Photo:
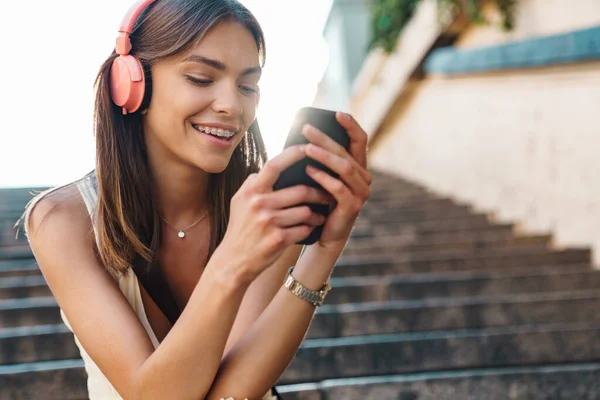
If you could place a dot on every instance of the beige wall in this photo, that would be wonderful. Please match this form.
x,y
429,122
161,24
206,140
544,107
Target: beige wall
x,y
523,145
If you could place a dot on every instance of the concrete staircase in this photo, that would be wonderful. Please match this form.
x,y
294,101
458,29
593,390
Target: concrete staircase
x,y
431,300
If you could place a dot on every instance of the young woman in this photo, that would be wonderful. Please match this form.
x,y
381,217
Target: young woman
x,y
182,198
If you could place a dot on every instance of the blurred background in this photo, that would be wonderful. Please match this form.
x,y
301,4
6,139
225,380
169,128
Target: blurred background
x,y
47,76
490,102
473,271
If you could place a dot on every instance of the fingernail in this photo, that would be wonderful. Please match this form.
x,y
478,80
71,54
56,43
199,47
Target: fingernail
x,y
346,116
309,129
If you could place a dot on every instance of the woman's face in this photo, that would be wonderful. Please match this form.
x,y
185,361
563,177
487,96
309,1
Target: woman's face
x,y
201,98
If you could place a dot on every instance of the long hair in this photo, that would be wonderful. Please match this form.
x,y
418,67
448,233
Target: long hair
x,y
126,219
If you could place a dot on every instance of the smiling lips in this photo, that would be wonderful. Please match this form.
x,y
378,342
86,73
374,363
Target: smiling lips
x,y
225,134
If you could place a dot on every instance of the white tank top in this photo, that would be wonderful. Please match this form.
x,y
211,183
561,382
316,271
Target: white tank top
x,y
99,387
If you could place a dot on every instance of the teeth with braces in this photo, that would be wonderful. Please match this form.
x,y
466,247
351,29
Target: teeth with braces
x,y
215,131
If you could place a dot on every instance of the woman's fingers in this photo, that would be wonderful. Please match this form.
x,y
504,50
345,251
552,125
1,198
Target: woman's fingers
x,y
301,215
347,202
295,195
345,168
270,172
320,139
358,137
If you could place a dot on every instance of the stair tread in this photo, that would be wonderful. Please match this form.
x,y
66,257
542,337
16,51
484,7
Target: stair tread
x,y
460,301
444,374
457,276
40,366
25,331
447,334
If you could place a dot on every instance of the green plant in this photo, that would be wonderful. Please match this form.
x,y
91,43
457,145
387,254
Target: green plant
x,y
389,17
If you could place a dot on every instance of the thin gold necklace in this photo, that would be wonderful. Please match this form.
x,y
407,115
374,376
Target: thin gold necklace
x,y
181,232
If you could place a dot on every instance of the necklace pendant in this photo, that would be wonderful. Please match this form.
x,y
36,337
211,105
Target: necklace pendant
x,y
181,234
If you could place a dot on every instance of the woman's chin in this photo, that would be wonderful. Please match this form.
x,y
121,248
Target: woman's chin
x,y
213,166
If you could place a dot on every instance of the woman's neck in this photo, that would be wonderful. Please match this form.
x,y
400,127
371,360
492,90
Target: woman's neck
x,y
180,192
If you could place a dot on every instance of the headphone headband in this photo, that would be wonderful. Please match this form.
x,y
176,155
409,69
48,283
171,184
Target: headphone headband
x,y
123,46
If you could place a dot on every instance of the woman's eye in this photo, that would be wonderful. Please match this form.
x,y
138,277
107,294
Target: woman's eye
x,y
199,81
249,89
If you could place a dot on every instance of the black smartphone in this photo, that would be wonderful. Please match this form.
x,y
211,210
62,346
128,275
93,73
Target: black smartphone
x,y
325,121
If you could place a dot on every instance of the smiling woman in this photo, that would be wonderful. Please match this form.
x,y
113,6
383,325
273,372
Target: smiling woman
x,y
167,260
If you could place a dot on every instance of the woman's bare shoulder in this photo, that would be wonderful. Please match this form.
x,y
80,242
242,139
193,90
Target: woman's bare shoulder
x,y
60,208
62,240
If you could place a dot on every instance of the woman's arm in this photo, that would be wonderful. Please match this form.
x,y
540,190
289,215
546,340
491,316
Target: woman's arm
x,y
260,293
255,363
259,358
184,365
186,362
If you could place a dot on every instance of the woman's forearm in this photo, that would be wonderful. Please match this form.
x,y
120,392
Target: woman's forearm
x,y
259,358
185,364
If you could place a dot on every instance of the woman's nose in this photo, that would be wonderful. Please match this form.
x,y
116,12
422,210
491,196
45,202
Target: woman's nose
x,y
227,101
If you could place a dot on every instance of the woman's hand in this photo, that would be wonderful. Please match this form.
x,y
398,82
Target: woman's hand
x,y
353,187
263,222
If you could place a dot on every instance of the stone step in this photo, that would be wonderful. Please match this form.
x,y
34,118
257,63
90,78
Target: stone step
x,y
402,287
429,252
422,211
409,232
409,243
373,288
397,195
403,316
402,202
20,287
8,217
370,215
547,382
7,238
29,312
17,252
380,354
401,264
501,281
468,224
506,259
465,222
14,268
397,188
23,252
433,254
36,343
319,359
66,379
426,230
397,218
48,380
392,316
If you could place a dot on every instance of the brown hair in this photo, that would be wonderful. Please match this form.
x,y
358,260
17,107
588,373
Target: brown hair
x,y
126,219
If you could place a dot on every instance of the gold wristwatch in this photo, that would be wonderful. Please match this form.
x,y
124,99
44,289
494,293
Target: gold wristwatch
x,y
316,297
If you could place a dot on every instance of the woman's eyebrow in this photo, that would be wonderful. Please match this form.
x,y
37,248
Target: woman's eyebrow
x,y
220,65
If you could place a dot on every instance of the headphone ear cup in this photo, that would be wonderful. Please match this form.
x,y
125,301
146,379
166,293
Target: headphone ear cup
x,y
127,83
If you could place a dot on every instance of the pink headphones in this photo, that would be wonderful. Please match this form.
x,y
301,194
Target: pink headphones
x,y
127,82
